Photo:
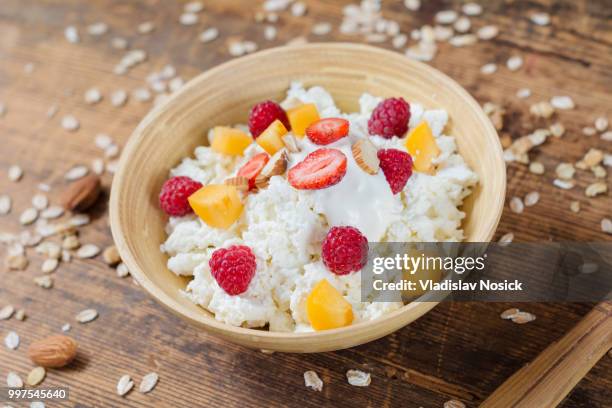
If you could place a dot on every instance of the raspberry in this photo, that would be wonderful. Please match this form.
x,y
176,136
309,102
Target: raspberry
x,y
265,113
174,195
390,118
344,250
233,268
397,167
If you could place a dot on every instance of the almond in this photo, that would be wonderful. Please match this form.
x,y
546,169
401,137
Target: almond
x,y
81,194
365,155
241,183
275,167
53,351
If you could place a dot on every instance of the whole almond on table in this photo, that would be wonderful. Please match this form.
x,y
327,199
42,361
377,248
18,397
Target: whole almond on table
x,y
53,352
81,194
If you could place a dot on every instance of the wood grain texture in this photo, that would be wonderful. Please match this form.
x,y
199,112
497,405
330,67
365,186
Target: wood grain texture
x,y
459,350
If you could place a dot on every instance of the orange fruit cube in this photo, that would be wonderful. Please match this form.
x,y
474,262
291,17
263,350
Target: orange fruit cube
x,y
218,205
301,117
327,308
422,146
271,139
230,141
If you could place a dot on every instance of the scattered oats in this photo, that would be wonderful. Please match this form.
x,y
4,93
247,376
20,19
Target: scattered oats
x,y
52,111
52,212
236,49
37,404
596,189
276,5
66,327
209,35
122,270
488,69
541,19
175,84
40,201
88,251
111,255
6,312
148,382
358,378
321,28
194,7
516,205
5,204
588,131
70,123
66,256
606,225
472,9
17,262
97,29
399,41
93,96
270,33
564,184
86,316
312,380
188,19
97,166
462,25
71,242
575,206
15,249
146,27
45,281
601,124
446,16
124,385
49,265
599,171
441,33
15,173
523,317
514,63
593,157
141,94
298,9
557,129
565,171
523,93
29,239
531,199
50,249
506,239
562,102
28,216
76,173
103,140
272,18
539,136
72,34
607,161
463,40
36,376
542,110
119,43
487,32
158,86
112,166
454,404
422,51
13,380
588,267
20,315
111,151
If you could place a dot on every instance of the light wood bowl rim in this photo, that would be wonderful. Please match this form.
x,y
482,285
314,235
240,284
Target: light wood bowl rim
x,y
415,308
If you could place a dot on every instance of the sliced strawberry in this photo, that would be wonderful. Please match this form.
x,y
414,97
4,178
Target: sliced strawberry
x,y
326,131
320,169
253,167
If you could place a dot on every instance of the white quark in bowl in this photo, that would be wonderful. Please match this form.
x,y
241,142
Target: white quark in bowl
x,y
285,227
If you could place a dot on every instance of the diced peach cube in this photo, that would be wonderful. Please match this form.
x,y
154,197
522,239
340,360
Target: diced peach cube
x,y
230,141
422,146
218,205
271,139
327,308
301,117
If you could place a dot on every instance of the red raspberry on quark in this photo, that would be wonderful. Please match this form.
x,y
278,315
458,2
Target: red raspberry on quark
x,y
397,168
390,118
174,195
344,250
233,268
263,114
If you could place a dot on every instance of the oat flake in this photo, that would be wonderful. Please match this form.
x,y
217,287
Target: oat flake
x,y
606,225
514,63
49,265
146,27
472,9
312,380
298,9
541,19
188,19
194,7
13,380
488,69
148,382
523,93
45,281
72,34
523,317
6,312
28,216
76,173
122,270
88,251
358,378
52,212
70,123
124,385
36,376
575,206
509,313
209,35
93,96
11,341
5,204
531,198
87,315
562,102
97,29
601,124
15,173
506,239
321,28
454,404
40,202
66,327
446,16
487,32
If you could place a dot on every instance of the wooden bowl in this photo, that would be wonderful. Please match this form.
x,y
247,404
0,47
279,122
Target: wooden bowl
x,y
224,95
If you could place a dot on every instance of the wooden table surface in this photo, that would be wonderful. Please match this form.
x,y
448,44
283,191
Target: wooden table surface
x,y
459,350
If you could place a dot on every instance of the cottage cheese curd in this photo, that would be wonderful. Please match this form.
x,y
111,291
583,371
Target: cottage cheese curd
x,y
285,227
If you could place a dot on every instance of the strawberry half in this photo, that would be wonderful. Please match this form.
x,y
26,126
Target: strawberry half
x,y
326,131
320,169
253,167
